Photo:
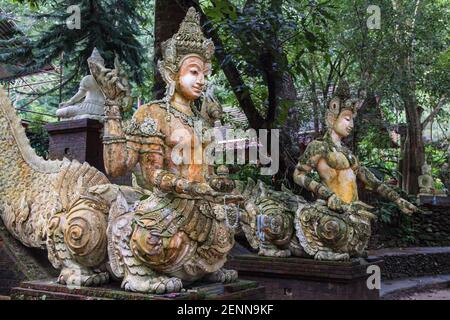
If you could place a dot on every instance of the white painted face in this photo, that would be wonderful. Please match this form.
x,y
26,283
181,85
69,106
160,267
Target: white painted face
x,y
191,78
343,125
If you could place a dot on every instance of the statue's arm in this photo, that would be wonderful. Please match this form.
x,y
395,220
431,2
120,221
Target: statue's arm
x,y
373,183
152,165
119,155
307,162
81,93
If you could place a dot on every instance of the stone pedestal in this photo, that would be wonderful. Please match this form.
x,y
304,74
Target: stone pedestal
x,y
81,140
50,290
297,278
433,200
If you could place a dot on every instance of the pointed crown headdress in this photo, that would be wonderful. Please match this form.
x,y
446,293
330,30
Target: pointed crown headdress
x,y
341,101
96,57
189,40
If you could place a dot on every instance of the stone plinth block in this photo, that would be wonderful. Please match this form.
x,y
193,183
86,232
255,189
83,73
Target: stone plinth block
x,y
81,140
77,139
434,200
297,278
50,290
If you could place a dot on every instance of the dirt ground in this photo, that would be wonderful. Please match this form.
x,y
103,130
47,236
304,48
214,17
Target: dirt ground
x,y
439,294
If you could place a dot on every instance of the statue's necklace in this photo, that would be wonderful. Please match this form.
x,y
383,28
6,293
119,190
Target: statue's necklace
x,y
340,148
347,153
191,121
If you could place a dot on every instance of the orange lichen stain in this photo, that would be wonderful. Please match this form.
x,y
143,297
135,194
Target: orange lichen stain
x,y
195,173
336,173
344,185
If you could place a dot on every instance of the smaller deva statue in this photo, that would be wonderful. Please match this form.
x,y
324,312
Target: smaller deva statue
x,y
426,182
337,226
93,105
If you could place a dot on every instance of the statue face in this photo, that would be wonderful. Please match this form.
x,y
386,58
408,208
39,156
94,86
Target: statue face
x,y
191,78
343,125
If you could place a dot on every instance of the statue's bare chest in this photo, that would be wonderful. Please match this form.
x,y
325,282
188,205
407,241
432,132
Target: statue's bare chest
x,y
179,133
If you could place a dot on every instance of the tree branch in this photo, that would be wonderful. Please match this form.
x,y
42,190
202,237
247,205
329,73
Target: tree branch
x,y
435,111
240,89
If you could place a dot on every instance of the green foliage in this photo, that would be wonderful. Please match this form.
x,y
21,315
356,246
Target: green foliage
x,y
32,3
437,154
316,42
396,229
39,139
109,25
375,152
250,171
262,37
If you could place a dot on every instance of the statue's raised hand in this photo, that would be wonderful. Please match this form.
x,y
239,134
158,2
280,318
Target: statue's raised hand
x,y
406,207
113,83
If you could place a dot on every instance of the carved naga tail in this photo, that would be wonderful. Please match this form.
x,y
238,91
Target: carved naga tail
x,y
268,219
34,191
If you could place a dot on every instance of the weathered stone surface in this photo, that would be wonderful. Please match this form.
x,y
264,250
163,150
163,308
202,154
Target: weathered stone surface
x,y
297,278
19,263
170,230
77,139
434,201
414,262
419,230
402,288
50,290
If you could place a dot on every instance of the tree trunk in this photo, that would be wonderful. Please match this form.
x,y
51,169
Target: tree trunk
x,y
168,16
316,104
282,98
413,152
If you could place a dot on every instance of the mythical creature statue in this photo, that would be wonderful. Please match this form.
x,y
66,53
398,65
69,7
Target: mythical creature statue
x,y
179,232
44,203
93,105
267,219
172,229
338,225
335,227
